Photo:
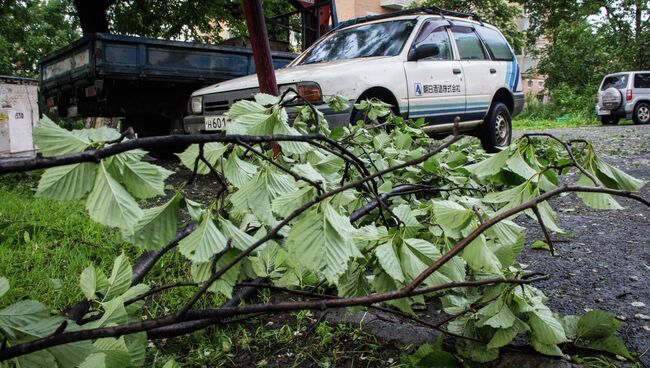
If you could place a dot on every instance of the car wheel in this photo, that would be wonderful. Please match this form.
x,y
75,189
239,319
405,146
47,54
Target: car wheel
x,y
496,131
607,120
642,113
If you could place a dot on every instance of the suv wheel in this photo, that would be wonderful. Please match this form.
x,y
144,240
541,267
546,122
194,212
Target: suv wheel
x,y
496,131
608,120
642,113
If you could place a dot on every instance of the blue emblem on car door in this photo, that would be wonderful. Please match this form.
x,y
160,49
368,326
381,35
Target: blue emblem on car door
x,y
418,89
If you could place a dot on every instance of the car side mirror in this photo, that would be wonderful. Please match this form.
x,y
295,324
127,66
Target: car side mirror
x,y
423,51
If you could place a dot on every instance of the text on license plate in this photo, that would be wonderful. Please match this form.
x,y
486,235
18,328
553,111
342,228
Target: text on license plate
x,y
604,112
216,122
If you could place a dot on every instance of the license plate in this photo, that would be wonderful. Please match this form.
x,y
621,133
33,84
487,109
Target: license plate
x,y
216,122
604,112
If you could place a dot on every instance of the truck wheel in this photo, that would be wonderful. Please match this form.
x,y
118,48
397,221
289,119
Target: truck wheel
x,y
642,113
608,120
153,126
496,131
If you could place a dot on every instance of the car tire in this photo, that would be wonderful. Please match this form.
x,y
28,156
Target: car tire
x,y
608,120
642,113
496,131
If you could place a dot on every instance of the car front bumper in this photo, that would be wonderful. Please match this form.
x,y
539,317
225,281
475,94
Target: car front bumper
x,y
194,124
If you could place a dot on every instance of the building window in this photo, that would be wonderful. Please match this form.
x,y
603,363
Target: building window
x,y
541,83
530,83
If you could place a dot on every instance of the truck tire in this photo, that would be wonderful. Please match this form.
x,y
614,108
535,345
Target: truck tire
x,y
496,131
153,126
612,98
609,120
642,113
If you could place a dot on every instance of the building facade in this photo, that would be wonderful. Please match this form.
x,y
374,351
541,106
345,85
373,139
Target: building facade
x,y
348,9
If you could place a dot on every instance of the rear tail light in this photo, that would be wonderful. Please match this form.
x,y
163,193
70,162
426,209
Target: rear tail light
x,y
628,95
310,91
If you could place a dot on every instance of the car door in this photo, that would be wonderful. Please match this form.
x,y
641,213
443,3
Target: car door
x,y
479,71
436,90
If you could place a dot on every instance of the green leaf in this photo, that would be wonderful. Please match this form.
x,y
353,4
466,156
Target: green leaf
x,y
600,201
15,316
110,353
438,359
120,279
617,179
491,166
4,286
212,152
67,182
545,327
157,227
540,245
137,343
52,140
547,349
353,282
224,285
597,324
475,351
519,166
145,180
204,242
322,241
289,202
480,257
88,282
110,204
240,239
413,265
496,314
611,344
237,171
257,194
451,214
411,224
389,261
266,99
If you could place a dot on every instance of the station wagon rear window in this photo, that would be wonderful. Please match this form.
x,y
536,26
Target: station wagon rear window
x,y
495,43
617,81
375,39
642,80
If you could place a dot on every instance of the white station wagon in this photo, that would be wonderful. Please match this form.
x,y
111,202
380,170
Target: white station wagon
x,y
432,66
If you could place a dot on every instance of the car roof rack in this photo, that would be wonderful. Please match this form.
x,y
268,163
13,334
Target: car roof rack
x,y
419,10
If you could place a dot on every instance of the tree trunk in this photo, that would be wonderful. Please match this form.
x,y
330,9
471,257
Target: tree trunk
x,y
92,15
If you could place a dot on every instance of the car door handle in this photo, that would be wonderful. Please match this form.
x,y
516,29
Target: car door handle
x,y
493,71
456,71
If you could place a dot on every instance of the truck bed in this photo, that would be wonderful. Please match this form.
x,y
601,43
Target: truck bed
x,y
118,57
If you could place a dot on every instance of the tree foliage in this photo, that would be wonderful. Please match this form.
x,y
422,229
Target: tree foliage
x,y
359,215
31,29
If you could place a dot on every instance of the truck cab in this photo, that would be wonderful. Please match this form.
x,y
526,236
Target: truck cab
x,y
432,66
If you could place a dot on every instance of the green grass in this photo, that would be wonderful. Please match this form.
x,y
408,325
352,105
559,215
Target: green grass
x,y
45,244
527,123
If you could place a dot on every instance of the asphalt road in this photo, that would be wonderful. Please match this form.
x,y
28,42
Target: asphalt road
x,y
606,263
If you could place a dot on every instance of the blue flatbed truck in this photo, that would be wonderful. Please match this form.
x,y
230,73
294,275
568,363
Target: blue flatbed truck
x,y
145,81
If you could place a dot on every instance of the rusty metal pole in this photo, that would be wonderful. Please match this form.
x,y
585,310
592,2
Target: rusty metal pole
x,y
261,53
261,48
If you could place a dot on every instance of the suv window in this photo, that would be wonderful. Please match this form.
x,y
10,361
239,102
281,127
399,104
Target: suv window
x,y
375,39
469,46
642,80
436,37
495,43
617,81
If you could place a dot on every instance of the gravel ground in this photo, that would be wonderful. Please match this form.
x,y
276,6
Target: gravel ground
x,y
606,263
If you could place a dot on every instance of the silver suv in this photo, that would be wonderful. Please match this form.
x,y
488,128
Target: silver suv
x,y
624,95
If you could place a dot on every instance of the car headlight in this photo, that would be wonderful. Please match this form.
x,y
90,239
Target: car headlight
x,y
196,104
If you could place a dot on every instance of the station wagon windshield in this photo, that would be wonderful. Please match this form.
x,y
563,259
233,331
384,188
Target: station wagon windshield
x,y
375,39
